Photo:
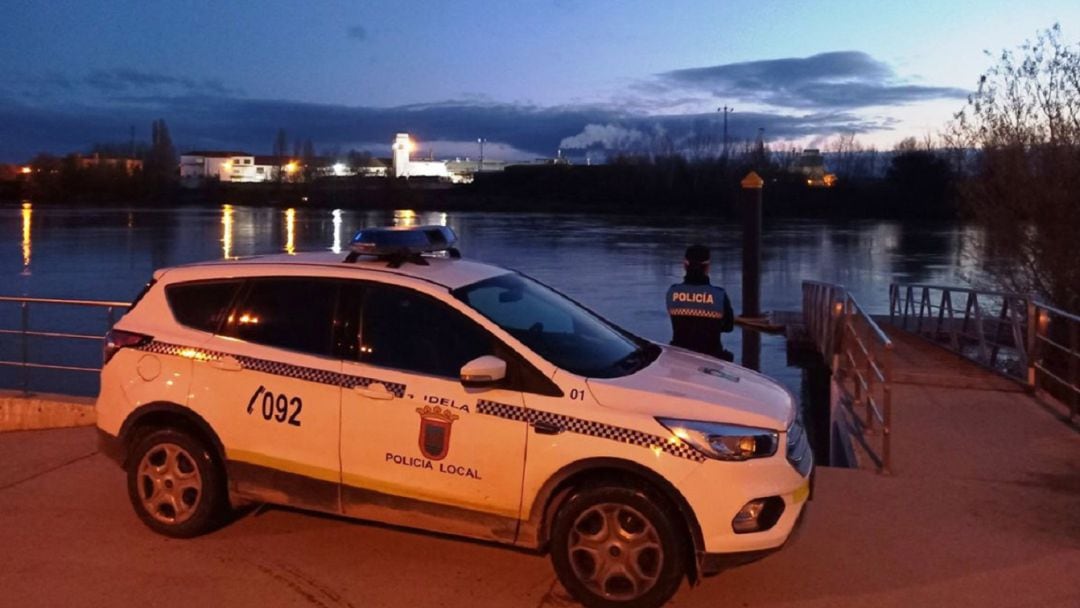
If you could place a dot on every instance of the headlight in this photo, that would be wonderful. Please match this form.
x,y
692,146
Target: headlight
x,y
724,441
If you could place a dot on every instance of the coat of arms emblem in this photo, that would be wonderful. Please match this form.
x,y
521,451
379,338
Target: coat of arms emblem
x,y
435,425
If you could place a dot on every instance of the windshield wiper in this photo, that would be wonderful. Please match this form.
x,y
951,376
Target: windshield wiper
x,y
634,361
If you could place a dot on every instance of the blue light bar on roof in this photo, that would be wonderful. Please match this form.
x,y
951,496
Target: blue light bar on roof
x,y
400,240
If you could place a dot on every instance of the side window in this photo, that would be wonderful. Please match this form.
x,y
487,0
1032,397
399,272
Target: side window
x,y
202,305
407,330
286,312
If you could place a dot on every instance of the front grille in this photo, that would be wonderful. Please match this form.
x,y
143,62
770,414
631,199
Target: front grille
x,y
798,449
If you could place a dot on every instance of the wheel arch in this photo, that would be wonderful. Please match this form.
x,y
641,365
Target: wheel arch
x,y
554,492
161,414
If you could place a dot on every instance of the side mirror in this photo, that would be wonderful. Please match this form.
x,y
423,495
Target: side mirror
x,y
483,371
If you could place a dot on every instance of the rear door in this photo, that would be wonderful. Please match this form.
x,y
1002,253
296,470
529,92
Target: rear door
x,y
269,384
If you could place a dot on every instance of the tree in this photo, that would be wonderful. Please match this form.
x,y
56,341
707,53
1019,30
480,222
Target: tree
x,y
920,182
307,154
1024,122
281,153
160,165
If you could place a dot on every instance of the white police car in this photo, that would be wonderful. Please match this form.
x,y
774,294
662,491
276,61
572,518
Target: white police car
x,y
405,385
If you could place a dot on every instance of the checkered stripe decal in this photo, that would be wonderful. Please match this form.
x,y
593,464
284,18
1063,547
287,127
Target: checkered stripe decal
x,y
276,368
694,312
590,428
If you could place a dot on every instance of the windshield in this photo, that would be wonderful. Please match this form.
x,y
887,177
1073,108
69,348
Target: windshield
x,y
556,328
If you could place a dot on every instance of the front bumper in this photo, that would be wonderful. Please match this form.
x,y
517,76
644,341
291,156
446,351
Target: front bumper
x,y
710,564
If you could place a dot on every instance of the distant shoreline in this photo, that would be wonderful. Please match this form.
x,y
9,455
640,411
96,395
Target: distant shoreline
x,y
611,192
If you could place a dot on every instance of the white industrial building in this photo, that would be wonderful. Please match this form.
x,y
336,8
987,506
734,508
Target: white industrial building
x,y
229,166
406,167
197,167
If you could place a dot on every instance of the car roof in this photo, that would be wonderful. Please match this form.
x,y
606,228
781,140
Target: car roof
x,y
448,272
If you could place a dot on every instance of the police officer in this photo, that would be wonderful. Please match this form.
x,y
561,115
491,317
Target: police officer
x,y
699,311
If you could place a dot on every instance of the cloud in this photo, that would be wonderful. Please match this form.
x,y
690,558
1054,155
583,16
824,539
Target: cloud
x,y
798,99
216,121
110,85
126,80
836,80
357,32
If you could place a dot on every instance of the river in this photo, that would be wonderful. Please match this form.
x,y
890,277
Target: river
x,y
618,265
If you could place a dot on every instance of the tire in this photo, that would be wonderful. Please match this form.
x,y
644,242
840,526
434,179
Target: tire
x,y
175,484
640,565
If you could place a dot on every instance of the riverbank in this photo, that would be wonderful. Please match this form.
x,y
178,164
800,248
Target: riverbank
x,y
615,188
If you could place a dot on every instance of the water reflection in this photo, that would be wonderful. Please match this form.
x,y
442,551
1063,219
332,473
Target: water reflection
x,y
751,349
290,231
619,266
336,247
27,215
227,231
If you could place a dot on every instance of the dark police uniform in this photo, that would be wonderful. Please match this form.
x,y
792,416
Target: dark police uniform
x,y
699,313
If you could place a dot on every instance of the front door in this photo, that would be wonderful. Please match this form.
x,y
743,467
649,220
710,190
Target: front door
x,y
415,450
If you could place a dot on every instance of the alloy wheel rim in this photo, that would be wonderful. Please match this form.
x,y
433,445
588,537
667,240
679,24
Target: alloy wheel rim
x,y
169,483
615,551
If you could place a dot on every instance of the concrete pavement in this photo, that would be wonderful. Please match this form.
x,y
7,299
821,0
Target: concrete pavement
x,y
68,537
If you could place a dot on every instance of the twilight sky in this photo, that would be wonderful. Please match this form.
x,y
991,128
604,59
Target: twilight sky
x,y
529,76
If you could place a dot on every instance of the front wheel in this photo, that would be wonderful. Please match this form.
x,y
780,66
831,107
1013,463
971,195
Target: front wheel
x,y
617,547
175,484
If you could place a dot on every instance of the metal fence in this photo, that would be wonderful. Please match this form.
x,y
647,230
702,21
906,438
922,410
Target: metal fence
x,y
22,336
860,355
1011,333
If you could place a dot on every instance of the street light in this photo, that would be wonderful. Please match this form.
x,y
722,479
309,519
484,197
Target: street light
x,y
726,110
480,167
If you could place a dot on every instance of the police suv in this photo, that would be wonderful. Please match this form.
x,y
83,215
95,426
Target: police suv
x,y
405,385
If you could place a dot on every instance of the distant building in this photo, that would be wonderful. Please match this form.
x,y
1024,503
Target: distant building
x,y
232,166
405,167
471,165
811,164
369,166
10,173
129,165
200,165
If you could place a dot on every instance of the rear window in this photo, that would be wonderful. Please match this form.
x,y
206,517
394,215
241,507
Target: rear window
x,y
203,305
295,313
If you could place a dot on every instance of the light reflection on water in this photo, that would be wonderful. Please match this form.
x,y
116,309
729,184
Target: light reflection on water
x,y
27,223
620,266
227,231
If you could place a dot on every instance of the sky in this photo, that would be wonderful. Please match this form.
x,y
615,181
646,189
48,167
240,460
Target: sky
x,y
529,77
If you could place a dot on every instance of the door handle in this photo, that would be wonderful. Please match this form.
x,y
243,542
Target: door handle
x,y
546,428
227,364
375,390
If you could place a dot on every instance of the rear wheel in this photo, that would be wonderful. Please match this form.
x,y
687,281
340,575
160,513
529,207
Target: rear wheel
x,y
175,484
617,547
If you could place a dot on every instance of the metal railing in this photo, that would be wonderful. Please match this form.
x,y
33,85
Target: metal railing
x,y
1011,333
1054,355
860,355
987,327
24,333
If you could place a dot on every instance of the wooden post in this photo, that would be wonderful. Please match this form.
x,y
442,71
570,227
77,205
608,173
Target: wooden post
x,y
1074,366
751,253
1032,340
